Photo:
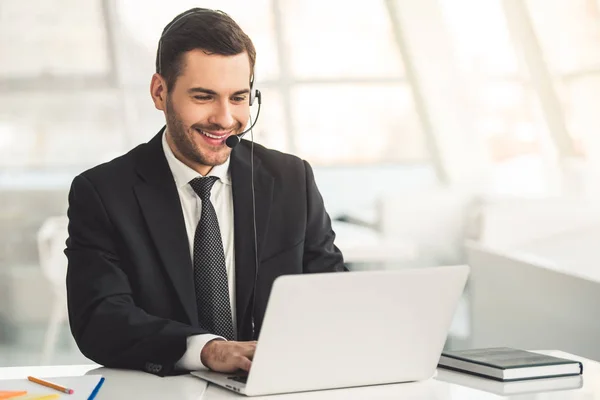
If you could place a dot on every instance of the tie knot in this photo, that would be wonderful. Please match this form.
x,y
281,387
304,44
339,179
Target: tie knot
x,y
202,186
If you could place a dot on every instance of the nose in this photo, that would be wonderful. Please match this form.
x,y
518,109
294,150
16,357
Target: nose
x,y
221,115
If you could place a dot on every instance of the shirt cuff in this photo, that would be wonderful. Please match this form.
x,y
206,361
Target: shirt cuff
x,y
191,358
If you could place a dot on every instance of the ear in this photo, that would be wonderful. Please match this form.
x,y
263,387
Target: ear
x,y
158,91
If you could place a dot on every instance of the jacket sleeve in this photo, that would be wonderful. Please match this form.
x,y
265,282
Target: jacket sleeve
x,y
106,323
320,253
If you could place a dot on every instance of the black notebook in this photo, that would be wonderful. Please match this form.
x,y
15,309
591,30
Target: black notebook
x,y
508,364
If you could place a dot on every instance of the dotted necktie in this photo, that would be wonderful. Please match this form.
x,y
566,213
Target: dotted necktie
x,y
210,273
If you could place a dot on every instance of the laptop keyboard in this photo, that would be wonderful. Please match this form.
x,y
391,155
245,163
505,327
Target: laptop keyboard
x,y
241,379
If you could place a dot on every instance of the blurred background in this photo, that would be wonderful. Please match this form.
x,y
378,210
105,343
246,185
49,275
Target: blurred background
x,y
441,132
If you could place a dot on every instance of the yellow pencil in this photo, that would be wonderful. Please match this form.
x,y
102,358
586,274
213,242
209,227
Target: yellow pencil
x,y
39,397
50,385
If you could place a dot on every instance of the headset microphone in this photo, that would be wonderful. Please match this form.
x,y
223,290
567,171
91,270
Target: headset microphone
x,y
234,140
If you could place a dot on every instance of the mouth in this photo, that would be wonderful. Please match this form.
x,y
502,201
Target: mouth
x,y
214,137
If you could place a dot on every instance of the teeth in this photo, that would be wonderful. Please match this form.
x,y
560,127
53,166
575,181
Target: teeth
x,y
212,136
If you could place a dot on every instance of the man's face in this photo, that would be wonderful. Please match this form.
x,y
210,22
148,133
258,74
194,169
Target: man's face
x,y
208,102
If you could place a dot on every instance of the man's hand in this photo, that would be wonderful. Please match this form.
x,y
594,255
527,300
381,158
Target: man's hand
x,y
228,356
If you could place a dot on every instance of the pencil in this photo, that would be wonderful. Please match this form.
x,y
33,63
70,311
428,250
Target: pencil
x,y
96,389
50,385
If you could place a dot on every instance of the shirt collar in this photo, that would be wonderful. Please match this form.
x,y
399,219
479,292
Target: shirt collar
x,y
184,174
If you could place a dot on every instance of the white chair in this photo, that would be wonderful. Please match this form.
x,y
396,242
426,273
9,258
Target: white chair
x,y
51,239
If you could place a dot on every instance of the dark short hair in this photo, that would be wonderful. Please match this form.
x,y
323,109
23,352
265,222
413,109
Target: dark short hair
x,y
212,31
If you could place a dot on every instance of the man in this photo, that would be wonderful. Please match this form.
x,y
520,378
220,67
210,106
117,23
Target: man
x,y
162,271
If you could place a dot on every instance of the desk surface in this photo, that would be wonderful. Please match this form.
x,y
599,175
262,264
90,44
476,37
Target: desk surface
x,y
445,385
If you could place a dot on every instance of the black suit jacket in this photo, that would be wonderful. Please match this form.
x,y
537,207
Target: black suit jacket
x,y
130,279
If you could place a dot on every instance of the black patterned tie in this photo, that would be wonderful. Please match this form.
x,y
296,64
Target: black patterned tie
x,y
210,272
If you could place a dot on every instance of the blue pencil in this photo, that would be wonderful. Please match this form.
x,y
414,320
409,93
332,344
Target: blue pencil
x,y
96,389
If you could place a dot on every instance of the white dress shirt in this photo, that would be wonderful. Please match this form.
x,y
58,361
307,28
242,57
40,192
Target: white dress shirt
x,y
222,199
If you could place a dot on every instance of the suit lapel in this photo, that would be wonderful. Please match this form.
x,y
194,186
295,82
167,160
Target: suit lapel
x,y
245,268
158,198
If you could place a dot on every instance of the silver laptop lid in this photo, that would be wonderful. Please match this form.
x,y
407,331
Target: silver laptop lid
x,y
334,330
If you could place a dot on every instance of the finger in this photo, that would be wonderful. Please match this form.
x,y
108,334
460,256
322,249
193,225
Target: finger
x,y
243,363
248,351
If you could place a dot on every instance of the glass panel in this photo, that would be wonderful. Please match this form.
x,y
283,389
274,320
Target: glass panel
x,y
357,124
482,41
507,115
569,33
581,98
338,38
52,38
143,26
59,129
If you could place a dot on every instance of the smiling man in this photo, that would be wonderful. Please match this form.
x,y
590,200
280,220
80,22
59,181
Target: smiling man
x,y
174,246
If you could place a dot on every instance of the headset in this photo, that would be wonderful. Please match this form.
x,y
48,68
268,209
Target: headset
x,y
231,141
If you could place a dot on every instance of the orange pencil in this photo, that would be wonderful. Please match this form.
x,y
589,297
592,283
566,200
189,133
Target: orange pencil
x,y
51,385
10,394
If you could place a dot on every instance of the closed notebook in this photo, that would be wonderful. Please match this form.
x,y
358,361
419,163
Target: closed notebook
x,y
508,364
543,385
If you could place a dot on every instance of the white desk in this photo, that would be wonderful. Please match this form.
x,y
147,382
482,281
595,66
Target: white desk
x,y
121,384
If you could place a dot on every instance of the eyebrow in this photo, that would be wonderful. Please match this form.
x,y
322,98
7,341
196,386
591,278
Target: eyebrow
x,y
212,92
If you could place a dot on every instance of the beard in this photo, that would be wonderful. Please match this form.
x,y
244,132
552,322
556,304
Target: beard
x,y
187,147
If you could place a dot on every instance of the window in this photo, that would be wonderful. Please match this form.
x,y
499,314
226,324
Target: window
x,y
58,130
357,124
569,34
333,94
507,111
42,39
338,39
58,105
481,38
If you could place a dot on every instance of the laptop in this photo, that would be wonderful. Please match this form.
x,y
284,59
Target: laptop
x,y
340,330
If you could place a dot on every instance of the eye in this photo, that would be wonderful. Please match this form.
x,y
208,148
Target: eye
x,y
202,98
238,99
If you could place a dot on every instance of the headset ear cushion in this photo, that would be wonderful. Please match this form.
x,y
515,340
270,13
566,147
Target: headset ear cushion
x,y
252,94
